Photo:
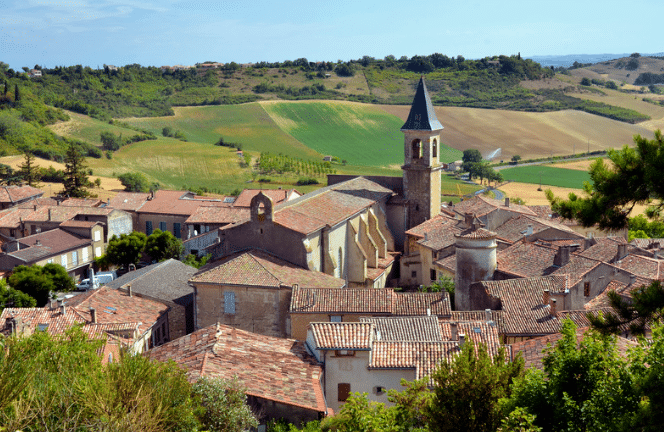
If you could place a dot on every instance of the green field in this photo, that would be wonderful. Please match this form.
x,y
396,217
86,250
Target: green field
x,y
547,175
358,133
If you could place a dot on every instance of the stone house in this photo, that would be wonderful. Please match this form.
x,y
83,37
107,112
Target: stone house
x,y
251,290
166,282
282,380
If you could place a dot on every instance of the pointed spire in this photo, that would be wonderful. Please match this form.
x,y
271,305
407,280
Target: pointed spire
x,y
422,116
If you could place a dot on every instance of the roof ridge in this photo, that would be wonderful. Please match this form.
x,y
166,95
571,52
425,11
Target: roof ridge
x,y
263,267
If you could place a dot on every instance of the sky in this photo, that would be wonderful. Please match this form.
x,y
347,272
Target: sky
x,y
167,32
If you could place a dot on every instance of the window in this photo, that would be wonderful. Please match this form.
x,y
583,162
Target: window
x,y
74,258
176,230
335,318
148,227
63,260
229,302
432,275
98,251
343,391
586,289
97,235
84,255
417,149
49,261
434,149
413,274
163,226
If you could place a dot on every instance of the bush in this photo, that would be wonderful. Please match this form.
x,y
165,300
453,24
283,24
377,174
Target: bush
x,y
307,181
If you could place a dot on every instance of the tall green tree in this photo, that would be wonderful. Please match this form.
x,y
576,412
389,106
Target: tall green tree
x,y
633,177
467,390
126,249
162,245
39,282
76,177
29,171
585,386
10,297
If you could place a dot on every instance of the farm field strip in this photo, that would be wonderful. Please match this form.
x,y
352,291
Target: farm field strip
x,y
550,176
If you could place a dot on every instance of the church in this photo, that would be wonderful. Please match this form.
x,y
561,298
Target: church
x,y
349,234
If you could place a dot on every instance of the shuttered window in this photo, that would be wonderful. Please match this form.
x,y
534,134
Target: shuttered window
x,y
343,391
176,230
229,302
148,227
163,226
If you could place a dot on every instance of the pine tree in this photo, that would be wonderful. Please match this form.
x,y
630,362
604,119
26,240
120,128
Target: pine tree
x,y
76,177
28,171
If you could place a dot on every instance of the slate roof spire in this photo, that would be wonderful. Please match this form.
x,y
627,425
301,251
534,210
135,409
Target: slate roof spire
x,y
422,116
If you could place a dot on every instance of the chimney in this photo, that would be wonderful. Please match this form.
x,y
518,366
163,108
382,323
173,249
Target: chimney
x,y
108,201
507,201
37,242
93,315
529,230
428,311
546,297
553,306
562,256
622,251
52,304
632,279
426,236
49,214
454,331
462,339
63,308
468,220
131,294
487,315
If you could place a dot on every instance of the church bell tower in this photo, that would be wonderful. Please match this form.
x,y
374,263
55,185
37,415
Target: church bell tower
x,y
421,169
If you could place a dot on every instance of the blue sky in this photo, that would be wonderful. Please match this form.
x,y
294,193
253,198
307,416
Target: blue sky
x,y
166,32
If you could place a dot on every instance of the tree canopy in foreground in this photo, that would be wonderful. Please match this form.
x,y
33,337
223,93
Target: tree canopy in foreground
x,y
633,177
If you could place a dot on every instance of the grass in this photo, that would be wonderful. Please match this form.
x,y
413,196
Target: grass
x,y
550,176
360,134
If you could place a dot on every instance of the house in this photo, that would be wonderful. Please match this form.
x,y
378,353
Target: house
x,y
492,213
202,227
149,318
166,282
373,356
168,210
135,324
282,380
350,305
74,250
11,196
251,290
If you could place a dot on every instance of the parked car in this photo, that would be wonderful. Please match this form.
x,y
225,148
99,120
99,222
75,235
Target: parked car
x,y
85,284
106,277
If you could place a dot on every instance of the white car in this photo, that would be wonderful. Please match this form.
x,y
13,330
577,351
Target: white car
x,y
85,284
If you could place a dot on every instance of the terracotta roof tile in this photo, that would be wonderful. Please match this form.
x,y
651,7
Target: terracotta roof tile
x,y
48,243
81,202
270,368
368,301
645,267
258,268
343,335
14,194
128,200
217,215
410,328
517,228
276,195
521,300
480,206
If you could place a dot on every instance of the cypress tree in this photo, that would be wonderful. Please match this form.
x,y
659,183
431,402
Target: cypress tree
x,y
17,95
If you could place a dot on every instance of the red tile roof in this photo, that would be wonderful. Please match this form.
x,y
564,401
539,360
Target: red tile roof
x,y
206,214
521,300
258,268
51,243
172,202
517,228
645,267
368,301
15,194
128,200
270,368
480,206
534,350
245,197
342,335
81,202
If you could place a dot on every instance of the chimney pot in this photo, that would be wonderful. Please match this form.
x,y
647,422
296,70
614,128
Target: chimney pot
x,y
546,297
462,339
454,331
63,308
